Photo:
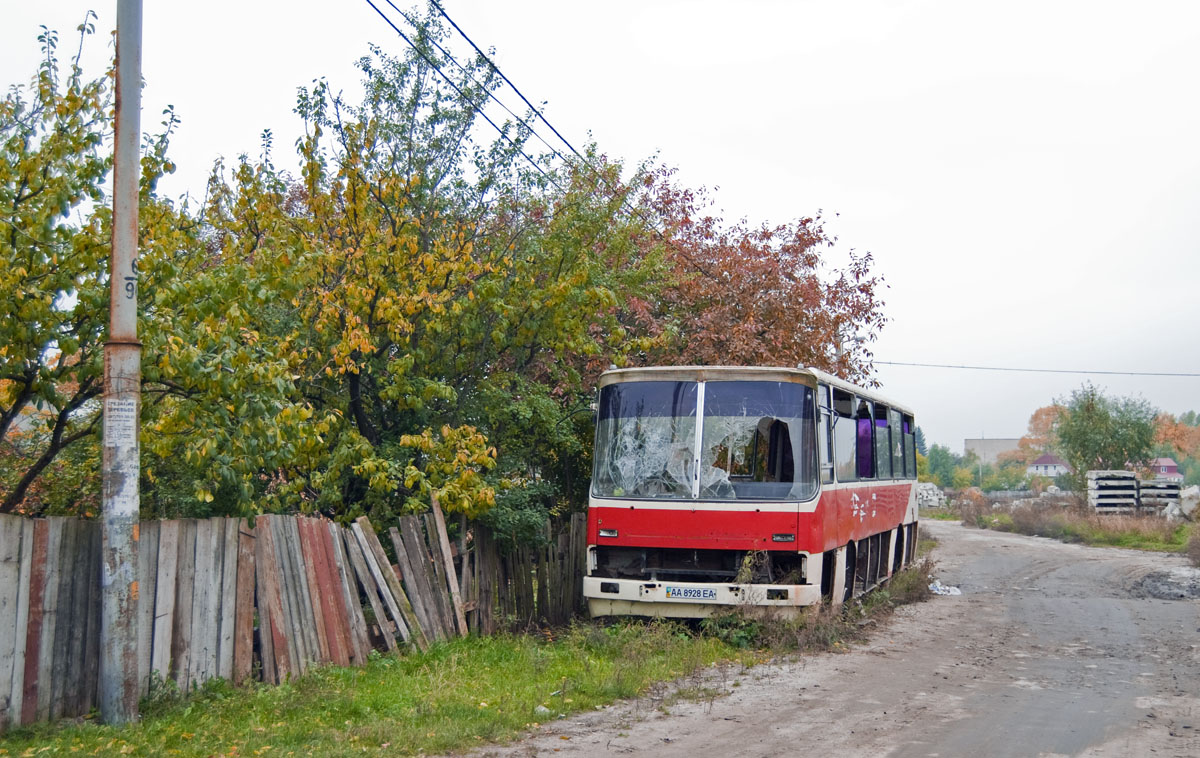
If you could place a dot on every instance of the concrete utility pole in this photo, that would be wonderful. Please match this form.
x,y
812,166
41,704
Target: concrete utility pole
x,y
122,392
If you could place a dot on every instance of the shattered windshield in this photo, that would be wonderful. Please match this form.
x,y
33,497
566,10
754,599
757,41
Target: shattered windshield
x,y
646,440
757,441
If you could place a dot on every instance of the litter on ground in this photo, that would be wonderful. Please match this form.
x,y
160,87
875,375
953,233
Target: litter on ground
x,y
938,588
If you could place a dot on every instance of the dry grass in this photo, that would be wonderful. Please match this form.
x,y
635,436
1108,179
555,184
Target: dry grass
x,y
1078,524
823,627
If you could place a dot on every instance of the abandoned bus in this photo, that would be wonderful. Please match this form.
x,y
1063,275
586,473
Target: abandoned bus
x,y
722,486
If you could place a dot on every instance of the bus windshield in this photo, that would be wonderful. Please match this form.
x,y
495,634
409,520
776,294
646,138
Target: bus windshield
x,y
757,441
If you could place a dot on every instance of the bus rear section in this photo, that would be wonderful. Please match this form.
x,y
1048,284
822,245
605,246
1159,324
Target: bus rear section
x,y
706,495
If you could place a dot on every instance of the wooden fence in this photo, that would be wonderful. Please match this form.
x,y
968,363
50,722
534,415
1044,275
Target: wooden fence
x,y
224,598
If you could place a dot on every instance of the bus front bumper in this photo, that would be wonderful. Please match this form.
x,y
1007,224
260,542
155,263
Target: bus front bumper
x,y
638,597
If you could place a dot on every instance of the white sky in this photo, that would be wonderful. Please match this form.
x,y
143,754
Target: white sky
x,y
1027,174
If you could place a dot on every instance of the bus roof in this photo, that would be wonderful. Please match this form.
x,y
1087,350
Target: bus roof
x,y
809,376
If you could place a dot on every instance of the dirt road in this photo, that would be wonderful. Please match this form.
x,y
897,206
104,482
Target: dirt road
x,y
1051,650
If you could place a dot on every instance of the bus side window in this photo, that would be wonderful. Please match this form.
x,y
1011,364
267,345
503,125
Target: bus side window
x,y
883,444
910,448
844,435
898,462
825,434
865,444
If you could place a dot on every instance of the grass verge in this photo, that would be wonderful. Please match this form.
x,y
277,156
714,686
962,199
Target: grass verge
x,y
1069,524
458,695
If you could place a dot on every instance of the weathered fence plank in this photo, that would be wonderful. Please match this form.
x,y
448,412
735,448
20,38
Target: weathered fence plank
x,y
409,576
185,583
243,632
418,558
37,603
358,639
312,581
276,661
50,600
228,598
305,618
147,571
164,599
370,588
426,532
13,547
337,622
389,585
443,542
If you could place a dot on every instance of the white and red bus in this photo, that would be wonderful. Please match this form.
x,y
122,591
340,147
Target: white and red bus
x,y
721,486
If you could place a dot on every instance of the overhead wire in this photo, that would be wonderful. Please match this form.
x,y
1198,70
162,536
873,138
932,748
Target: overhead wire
x,y
599,174
462,94
1037,370
507,81
449,56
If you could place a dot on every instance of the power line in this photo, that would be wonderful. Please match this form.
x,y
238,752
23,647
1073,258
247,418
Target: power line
x,y
1035,370
413,22
496,68
462,94
595,171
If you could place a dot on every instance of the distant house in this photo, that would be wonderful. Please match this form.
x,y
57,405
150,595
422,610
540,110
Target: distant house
x,y
1047,465
1166,468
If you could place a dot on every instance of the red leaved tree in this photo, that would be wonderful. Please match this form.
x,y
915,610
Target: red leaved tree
x,y
744,295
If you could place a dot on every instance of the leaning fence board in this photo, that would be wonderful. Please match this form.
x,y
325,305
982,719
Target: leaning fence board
x,y
337,620
410,631
289,621
312,580
243,625
409,577
436,573
17,696
359,563
381,570
418,557
303,594
323,595
443,543
358,640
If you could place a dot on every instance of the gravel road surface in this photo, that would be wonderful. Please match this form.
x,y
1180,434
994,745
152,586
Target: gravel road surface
x,y
1051,650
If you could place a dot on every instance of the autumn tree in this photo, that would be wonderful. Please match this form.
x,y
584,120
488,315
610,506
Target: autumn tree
x,y
1038,439
55,243
744,294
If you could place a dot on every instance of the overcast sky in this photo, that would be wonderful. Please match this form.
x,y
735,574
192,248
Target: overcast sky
x,y
1026,174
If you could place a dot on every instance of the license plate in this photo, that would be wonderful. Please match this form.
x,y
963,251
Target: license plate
x,y
690,593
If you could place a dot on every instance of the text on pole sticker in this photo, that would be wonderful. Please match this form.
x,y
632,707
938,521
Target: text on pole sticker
x,y
120,421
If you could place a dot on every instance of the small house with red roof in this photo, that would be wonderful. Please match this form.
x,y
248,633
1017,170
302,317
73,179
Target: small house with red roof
x,y
1166,468
1047,465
